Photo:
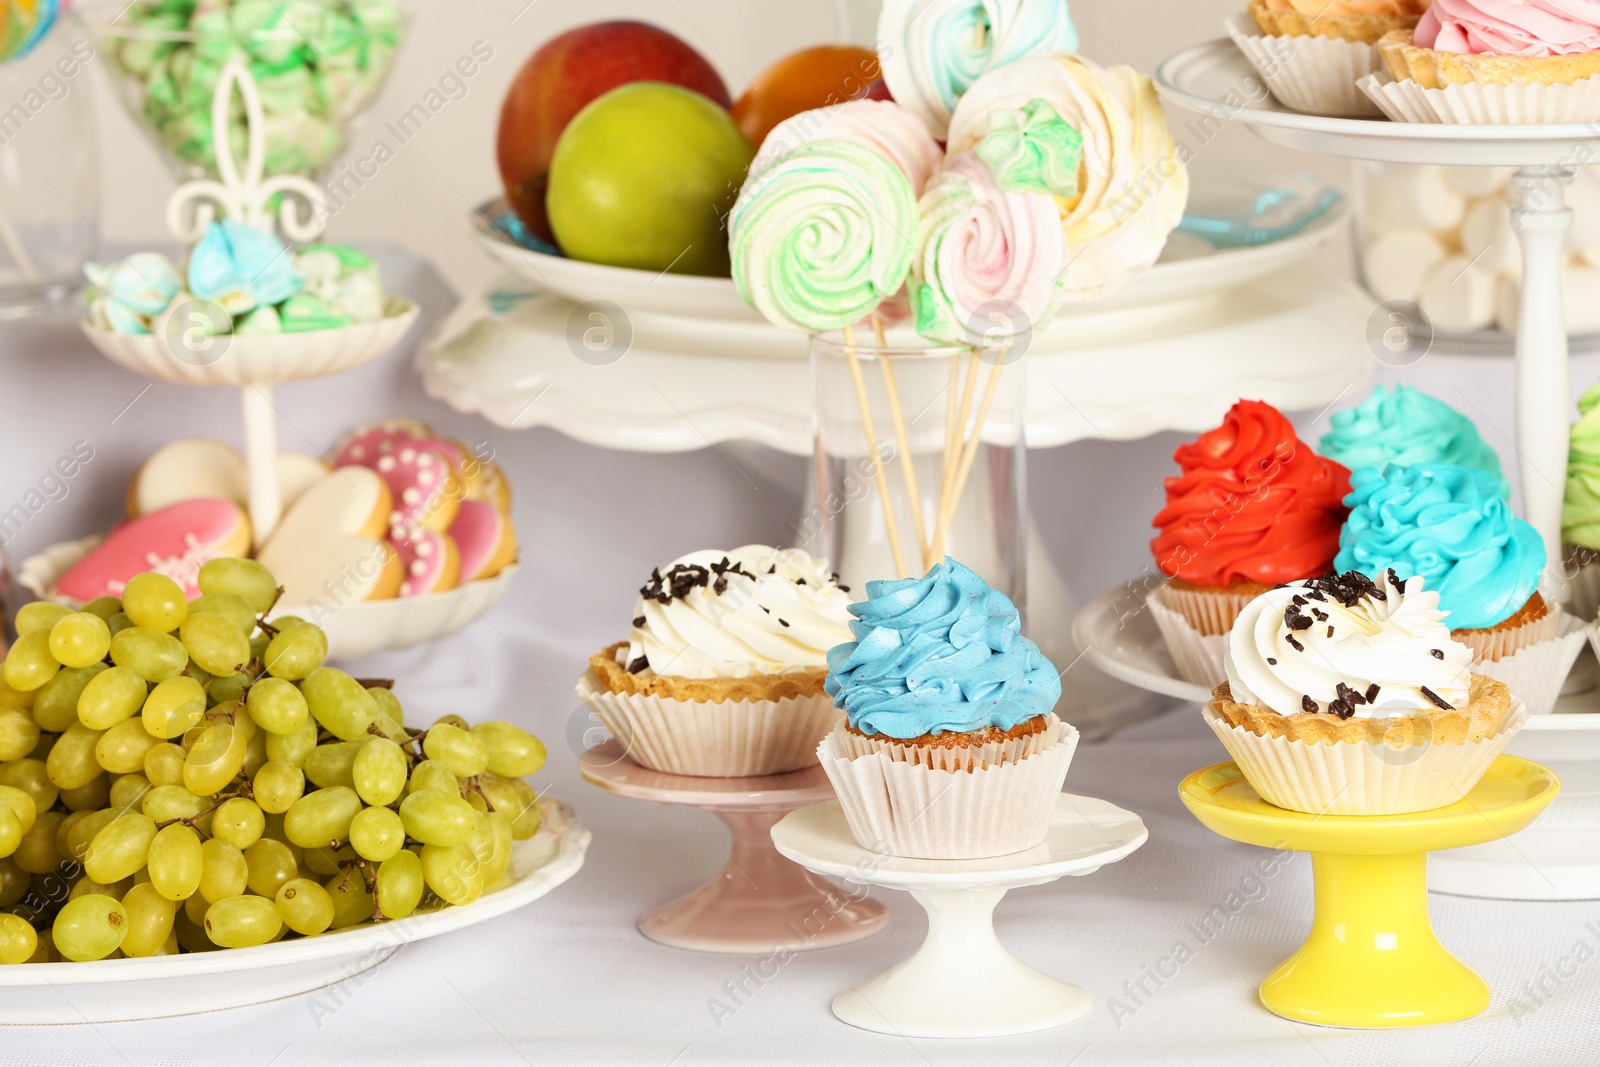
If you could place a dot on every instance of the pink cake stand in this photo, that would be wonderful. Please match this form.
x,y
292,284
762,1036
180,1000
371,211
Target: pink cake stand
x,y
759,901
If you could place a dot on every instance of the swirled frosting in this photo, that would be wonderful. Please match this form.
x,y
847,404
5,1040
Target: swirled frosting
x,y
881,125
1132,183
1403,426
1580,507
1510,27
937,654
932,51
1253,503
987,260
241,268
754,610
1449,525
822,235
1347,646
1031,150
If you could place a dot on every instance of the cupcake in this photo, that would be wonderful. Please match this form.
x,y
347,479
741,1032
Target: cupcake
x,y
722,673
1254,507
1494,61
1580,509
1311,53
1348,696
1450,526
1403,426
949,748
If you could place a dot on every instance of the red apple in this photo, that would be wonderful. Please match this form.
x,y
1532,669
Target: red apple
x,y
562,77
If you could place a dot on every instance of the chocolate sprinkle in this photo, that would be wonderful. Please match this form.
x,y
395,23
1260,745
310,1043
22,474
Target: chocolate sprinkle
x,y
1330,629
784,623
640,621
1436,653
1341,708
683,578
1296,645
1372,693
1309,704
1437,700
1271,662
638,665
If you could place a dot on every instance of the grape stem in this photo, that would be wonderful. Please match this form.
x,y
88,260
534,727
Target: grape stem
x,y
375,683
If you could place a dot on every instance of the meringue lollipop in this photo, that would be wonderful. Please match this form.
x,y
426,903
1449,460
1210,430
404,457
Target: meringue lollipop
x,y
822,235
1132,184
881,125
931,51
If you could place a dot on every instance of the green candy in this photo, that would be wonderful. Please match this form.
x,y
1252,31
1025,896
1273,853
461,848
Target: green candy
x,y
1032,150
303,313
260,322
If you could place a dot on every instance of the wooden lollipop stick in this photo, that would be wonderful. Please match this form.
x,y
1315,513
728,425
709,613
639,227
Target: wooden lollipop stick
x,y
970,450
936,550
907,462
953,446
890,527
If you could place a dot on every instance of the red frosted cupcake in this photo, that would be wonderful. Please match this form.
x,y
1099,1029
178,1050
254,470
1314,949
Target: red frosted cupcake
x,y
1253,508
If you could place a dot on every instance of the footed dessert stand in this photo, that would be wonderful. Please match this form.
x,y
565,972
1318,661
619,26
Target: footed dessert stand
x,y
759,901
1372,959
962,982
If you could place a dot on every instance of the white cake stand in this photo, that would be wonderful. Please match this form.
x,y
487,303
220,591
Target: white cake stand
x,y
1557,858
1209,77
962,982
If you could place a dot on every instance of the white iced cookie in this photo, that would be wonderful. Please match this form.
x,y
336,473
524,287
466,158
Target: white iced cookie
x,y
1132,185
197,467
328,549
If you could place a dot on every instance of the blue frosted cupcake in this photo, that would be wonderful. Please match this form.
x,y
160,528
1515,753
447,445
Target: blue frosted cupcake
x,y
950,748
1403,426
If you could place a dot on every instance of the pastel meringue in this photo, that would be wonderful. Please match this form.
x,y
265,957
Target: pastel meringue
x,y
881,125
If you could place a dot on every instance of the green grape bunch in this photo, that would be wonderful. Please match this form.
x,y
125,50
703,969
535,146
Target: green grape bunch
x,y
184,776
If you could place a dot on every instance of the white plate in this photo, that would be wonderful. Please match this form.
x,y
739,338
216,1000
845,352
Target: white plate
x,y
157,987
1213,78
680,296
356,629
261,360
1120,637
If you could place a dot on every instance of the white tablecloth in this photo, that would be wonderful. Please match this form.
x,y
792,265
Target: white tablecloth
x,y
568,980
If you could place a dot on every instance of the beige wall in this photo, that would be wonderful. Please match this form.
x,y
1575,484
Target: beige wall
x,y
421,197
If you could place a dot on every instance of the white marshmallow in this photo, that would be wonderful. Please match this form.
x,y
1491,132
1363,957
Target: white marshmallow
x,y
1580,301
1583,197
1405,198
1396,264
1478,181
1487,238
1458,297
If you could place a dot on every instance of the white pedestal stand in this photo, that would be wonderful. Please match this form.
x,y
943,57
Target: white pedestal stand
x,y
962,982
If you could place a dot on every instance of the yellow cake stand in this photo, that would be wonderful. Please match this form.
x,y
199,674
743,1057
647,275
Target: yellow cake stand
x,y
1372,959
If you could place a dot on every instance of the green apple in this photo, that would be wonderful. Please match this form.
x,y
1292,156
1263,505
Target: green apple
x,y
644,177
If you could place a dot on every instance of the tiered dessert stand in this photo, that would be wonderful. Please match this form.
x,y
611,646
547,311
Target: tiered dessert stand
x,y
759,901
1205,78
962,982
188,352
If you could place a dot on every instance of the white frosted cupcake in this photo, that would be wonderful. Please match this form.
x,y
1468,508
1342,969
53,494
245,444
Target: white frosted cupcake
x,y
722,672
1349,697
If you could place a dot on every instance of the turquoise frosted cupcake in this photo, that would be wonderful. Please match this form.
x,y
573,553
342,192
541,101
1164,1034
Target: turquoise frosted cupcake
x,y
950,748
1403,426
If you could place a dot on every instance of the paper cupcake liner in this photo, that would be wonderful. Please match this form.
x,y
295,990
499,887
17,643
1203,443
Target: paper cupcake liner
x,y
1486,105
1316,75
1362,778
898,807
947,758
727,739
1536,674
1491,645
1210,611
1582,567
1197,656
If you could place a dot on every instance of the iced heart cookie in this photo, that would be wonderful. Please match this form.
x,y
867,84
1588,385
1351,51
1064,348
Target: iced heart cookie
x,y
201,467
328,548
176,541
482,479
431,562
420,473
485,539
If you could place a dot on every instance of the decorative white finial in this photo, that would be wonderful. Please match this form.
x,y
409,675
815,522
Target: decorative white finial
x,y
301,213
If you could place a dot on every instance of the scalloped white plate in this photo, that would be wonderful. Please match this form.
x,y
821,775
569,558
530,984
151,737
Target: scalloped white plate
x,y
262,360
356,629
161,986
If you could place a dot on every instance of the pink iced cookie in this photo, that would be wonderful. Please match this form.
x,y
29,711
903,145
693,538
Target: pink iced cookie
x,y
485,538
176,541
430,560
420,473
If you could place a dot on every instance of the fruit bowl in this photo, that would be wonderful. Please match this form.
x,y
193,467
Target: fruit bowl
x,y
319,73
244,360
162,986
355,629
